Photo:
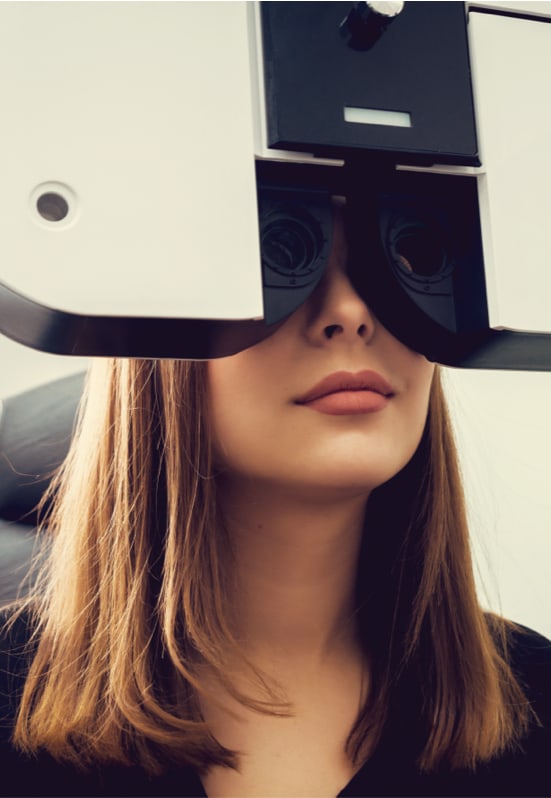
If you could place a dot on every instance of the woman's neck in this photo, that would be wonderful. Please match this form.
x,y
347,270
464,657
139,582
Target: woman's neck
x,y
296,566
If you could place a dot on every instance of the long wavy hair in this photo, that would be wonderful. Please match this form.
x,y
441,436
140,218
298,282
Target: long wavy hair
x,y
130,607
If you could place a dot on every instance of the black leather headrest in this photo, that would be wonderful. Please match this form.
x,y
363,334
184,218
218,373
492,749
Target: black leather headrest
x,y
35,432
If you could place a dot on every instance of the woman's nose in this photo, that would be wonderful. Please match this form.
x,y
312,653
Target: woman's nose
x,y
338,312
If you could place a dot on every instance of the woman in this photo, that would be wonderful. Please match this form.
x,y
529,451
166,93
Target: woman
x,y
260,585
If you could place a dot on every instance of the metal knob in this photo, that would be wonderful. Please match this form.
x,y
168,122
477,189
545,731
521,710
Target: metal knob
x,y
366,22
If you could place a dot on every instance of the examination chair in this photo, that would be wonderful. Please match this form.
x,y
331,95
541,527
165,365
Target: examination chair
x,y
35,432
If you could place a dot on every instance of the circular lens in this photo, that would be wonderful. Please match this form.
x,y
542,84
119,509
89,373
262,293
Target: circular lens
x,y
52,207
291,240
421,251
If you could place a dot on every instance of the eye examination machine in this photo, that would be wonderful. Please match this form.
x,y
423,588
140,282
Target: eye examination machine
x,y
168,172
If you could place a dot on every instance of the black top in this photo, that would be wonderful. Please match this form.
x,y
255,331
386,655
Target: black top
x,y
391,771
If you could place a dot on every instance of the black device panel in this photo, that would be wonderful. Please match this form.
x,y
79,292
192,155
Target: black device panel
x,y
419,65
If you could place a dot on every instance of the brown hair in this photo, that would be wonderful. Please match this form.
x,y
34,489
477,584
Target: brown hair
x,y
131,604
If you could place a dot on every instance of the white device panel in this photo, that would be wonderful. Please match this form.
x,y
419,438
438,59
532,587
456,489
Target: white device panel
x,y
511,61
106,105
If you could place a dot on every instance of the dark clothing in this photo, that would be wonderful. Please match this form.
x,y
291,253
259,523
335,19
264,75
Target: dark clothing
x,y
391,771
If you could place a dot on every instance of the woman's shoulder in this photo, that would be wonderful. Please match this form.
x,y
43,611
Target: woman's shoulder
x,y
530,658
524,770
529,645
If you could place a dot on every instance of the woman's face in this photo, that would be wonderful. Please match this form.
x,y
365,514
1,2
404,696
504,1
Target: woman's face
x,y
331,402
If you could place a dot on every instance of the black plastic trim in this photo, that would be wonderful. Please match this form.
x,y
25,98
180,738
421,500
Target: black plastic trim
x,y
62,333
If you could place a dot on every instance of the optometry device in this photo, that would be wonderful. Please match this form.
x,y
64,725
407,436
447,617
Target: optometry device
x,y
414,249
167,173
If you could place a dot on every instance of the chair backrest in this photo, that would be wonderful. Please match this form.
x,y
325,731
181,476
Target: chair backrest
x,y
35,433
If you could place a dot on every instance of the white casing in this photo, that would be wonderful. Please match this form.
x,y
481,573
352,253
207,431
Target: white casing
x,y
140,113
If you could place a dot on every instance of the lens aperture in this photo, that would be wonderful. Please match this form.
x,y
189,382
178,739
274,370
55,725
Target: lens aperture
x,y
291,240
418,249
288,246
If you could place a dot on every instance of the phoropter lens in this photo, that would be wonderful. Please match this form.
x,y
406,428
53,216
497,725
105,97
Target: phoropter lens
x,y
287,246
421,251
291,240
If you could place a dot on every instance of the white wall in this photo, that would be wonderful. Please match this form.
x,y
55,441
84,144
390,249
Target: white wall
x,y
503,426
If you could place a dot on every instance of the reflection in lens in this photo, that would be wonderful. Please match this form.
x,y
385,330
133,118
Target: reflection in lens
x,y
419,248
421,251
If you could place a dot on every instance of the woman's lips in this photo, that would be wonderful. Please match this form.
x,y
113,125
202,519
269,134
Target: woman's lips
x,y
346,403
345,393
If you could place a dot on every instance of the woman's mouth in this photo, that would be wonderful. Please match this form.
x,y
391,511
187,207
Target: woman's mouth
x,y
345,393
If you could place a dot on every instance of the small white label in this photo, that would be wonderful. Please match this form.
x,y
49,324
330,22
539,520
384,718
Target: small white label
x,y
377,116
